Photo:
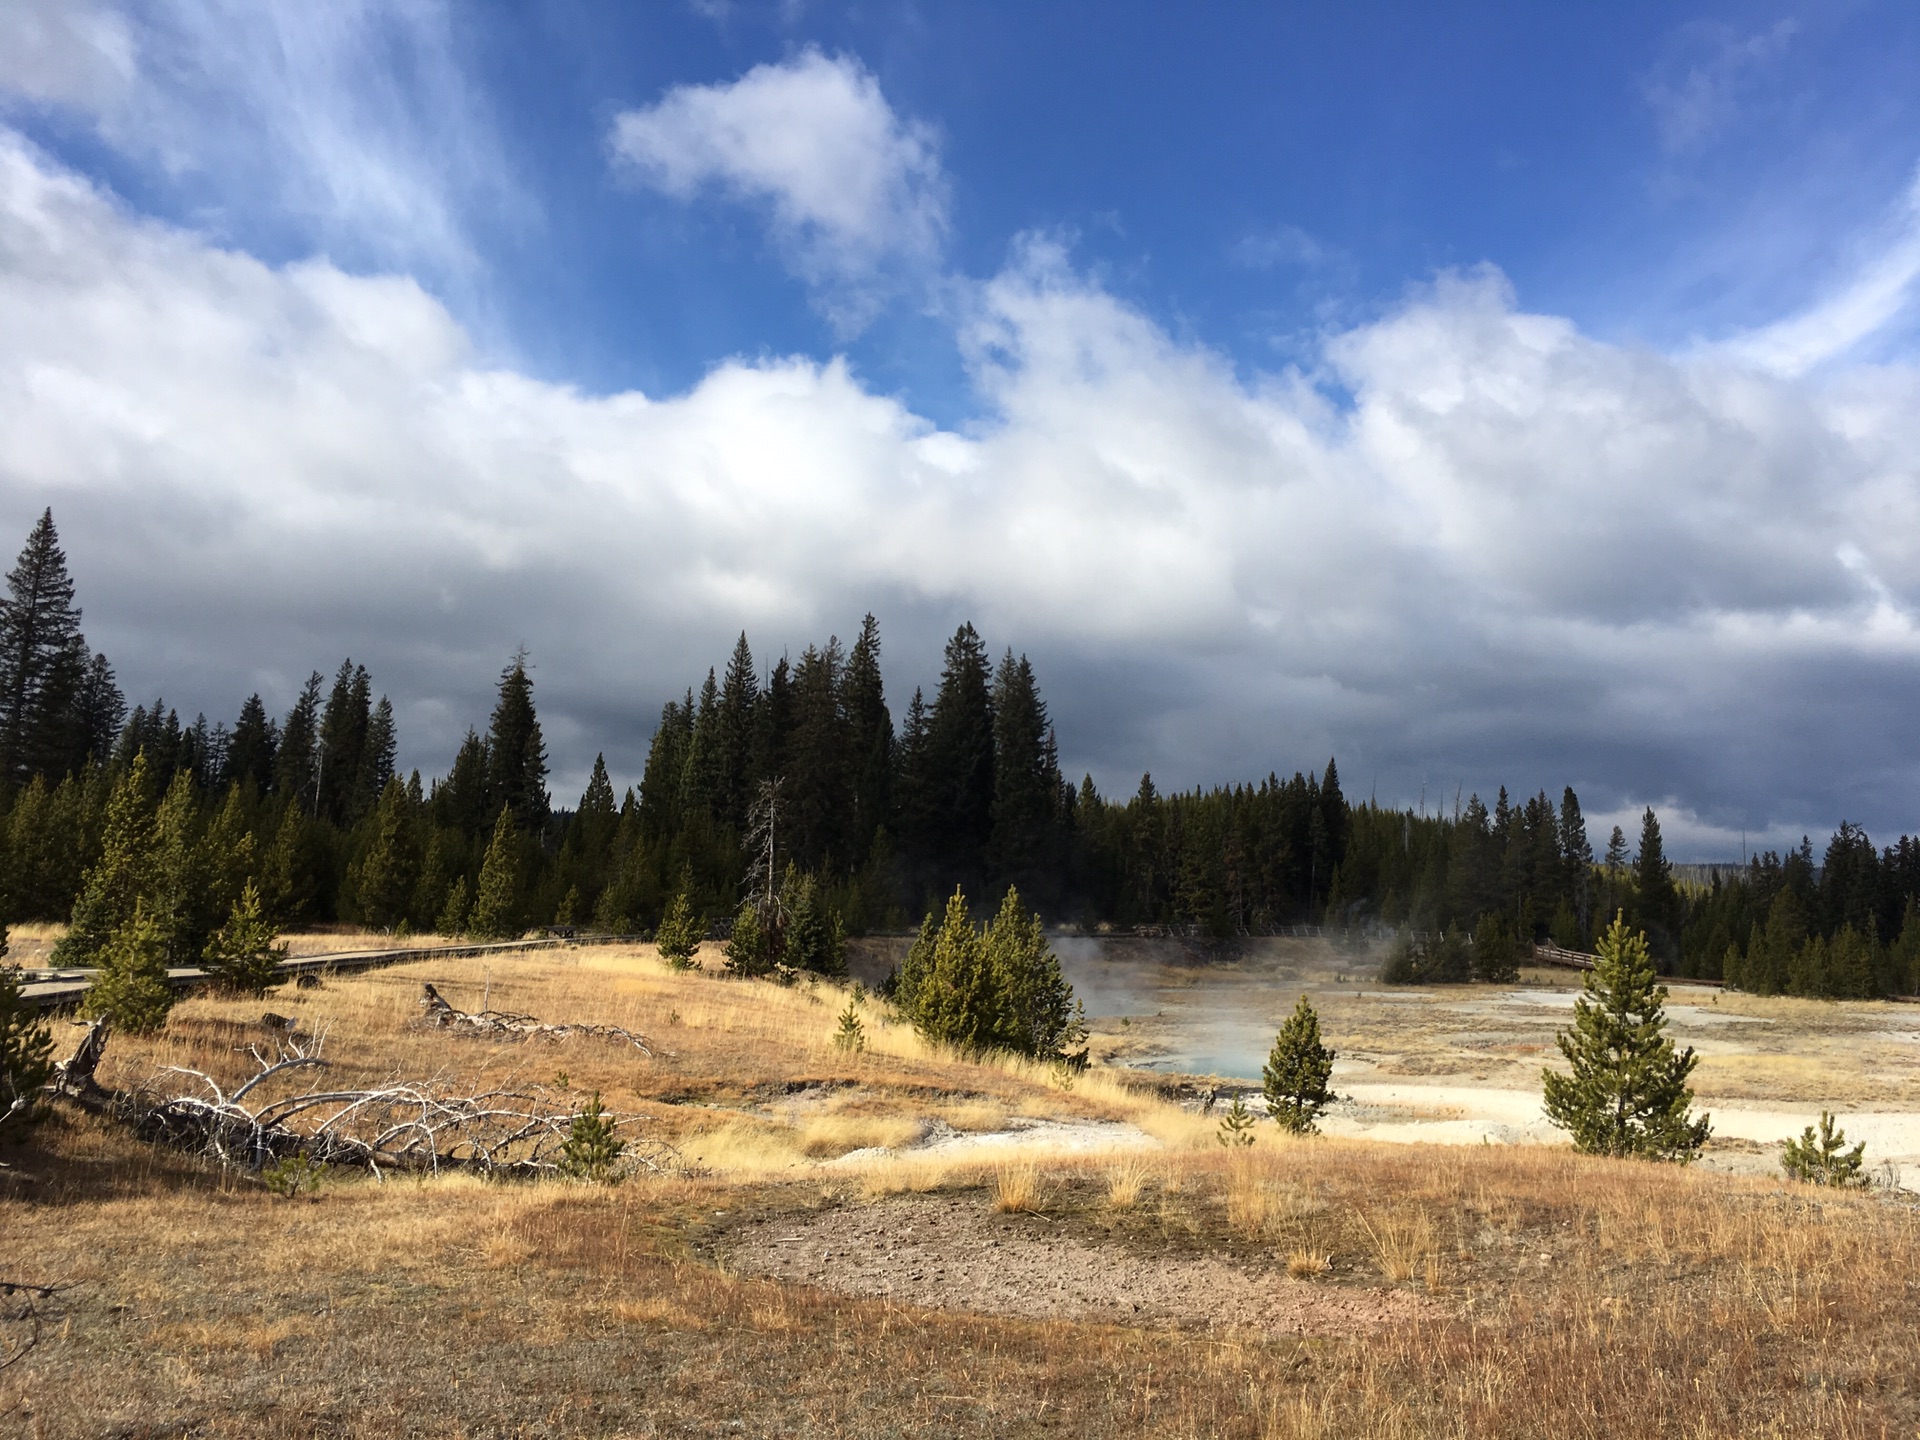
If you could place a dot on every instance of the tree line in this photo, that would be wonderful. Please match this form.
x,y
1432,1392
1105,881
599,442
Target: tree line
x,y
790,788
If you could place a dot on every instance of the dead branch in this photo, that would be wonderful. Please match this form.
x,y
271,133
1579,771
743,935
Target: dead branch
x,y
421,1126
73,1077
24,1311
443,1016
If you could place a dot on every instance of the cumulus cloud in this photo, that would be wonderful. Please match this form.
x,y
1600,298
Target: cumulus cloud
x,y
1507,551
854,190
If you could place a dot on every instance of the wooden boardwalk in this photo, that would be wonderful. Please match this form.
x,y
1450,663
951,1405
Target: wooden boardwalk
x,y
50,989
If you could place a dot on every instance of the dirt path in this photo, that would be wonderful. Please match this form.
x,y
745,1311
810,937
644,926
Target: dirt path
x,y
951,1252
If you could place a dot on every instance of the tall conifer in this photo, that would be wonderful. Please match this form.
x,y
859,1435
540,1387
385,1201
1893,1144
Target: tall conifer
x,y
1627,1091
496,901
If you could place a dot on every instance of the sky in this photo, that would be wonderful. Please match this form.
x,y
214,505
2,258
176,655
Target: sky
x,y
1481,394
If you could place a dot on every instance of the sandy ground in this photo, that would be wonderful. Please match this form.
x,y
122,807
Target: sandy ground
x,y
952,1251
1461,1064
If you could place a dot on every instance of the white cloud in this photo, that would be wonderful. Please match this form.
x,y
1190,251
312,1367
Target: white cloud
x,y
853,188
1518,554
1696,91
64,52
1876,293
353,120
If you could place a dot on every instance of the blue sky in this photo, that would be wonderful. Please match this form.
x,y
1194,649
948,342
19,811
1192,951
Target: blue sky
x,y
1485,393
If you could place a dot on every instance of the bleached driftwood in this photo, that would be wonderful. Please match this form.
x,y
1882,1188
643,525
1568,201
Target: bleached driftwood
x,y
505,1023
404,1125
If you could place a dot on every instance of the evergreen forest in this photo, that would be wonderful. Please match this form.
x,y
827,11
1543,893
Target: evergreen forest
x,y
763,778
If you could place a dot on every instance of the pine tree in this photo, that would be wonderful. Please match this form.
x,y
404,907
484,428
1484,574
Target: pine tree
x,y
1236,1126
850,1036
815,941
452,919
960,760
251,749
296,762
1824,1159
816,776
496,902
343,742
1653,885
1026,788
376,760
681,931
516,754
390,867
748,952
26,1054
1297,1072
131,986
177,884
1035,1008
42,660
592,1149
1496,953
120,877
733,770
1627,1093
869,739
242,957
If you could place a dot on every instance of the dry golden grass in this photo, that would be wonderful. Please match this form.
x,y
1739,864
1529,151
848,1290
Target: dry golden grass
x,y
1581,1298
1401,1240
1016,1187
1126,1181
1305,1264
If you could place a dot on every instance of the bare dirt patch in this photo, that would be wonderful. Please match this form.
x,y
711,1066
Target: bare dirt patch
x,y
950,1252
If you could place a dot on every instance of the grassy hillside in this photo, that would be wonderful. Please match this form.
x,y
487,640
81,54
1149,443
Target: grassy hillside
x,y
1155,1286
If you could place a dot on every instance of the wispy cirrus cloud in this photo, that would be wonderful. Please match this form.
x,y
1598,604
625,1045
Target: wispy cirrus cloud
x,y
353,125
1697,88
856,193
1875,294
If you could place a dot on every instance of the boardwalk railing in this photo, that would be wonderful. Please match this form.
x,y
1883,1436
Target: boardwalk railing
x,y
51,988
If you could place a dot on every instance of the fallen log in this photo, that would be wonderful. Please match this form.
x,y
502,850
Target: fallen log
x,y
442,1016
404,1125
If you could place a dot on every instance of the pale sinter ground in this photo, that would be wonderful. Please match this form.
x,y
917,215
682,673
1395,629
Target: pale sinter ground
x,y
1461,1064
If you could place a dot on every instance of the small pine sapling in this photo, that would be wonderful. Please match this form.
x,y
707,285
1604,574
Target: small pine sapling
x,y
291,1174
26,1051
1824,1159
851,1037
242,956
592,1151
131,989
1297,1071
680,933
1236,1126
